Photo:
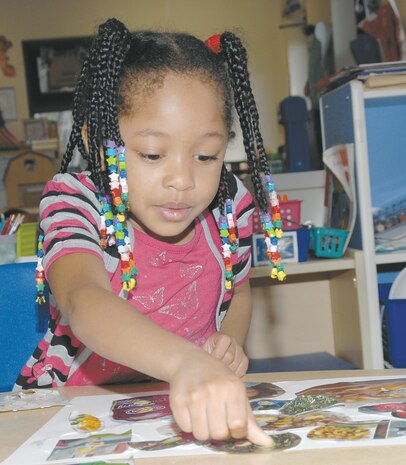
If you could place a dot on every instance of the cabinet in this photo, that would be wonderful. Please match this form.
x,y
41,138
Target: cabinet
x,y
342,296
318,307
375,122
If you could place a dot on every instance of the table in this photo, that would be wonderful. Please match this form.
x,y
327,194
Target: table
x,y
16,427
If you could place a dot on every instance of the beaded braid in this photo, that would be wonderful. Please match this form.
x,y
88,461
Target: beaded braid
x,y
228,228
230,46
97,91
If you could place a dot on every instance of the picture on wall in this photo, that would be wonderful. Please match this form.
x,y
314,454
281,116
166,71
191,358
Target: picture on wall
x,y
52,67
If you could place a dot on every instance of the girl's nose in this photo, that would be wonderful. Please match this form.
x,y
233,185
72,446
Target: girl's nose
x,y
179,175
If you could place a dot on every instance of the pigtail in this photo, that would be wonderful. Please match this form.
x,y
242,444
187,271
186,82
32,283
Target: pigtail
x,y
236,58
96,99
227,227
231,49
96,107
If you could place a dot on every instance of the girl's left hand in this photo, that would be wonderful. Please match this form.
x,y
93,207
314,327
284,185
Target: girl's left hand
x,y
227,349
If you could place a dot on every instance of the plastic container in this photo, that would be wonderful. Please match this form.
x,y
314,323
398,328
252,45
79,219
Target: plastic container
x,y
303,239
7,248
394,322
395,316
290,213
328,242
27,239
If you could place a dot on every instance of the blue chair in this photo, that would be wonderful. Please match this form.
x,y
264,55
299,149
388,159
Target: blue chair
x,y
22,321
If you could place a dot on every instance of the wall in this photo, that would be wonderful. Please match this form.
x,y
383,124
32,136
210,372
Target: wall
x,y
280,326
257,21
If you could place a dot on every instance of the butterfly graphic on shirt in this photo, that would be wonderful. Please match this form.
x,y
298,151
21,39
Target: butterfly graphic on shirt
x,y
184,304
159,259
190,271
151,301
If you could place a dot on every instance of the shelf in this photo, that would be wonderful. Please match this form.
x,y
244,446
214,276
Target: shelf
x,y
384,92
388,258
314,265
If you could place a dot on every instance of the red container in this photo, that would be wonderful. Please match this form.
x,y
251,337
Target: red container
x,y
290,214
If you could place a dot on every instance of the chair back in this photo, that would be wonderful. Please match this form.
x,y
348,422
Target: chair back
x,y
22,321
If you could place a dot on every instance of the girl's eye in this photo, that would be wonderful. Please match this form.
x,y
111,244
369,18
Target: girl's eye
x,y
150,156
206,158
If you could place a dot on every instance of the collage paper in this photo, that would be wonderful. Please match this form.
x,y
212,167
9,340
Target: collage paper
x,y
299,415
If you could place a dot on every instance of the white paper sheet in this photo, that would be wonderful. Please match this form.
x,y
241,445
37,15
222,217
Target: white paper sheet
x,y
38,447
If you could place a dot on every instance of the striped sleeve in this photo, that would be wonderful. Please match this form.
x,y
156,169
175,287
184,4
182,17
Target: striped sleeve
x,y
70,217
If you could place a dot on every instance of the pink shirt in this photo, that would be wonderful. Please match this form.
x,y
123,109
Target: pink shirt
x,y
180,287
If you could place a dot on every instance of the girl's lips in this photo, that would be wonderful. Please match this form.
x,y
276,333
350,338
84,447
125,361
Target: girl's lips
x,y
174,211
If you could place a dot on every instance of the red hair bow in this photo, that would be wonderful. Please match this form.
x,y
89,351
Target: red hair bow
x,y
213,43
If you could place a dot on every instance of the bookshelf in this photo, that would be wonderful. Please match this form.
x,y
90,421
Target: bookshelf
x,y
315,265
374,121
345,278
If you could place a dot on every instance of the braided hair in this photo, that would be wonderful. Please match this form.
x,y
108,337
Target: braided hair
x,y
121,64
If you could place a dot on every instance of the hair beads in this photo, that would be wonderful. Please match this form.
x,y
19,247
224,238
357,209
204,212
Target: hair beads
x,y
40,275
234,53
228,235
272,229
113,229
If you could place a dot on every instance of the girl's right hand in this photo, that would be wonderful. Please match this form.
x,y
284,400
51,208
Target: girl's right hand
x,y
211,402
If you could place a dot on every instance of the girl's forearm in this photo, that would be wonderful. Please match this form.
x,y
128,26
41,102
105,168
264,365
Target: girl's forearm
x,y
112,328
237,321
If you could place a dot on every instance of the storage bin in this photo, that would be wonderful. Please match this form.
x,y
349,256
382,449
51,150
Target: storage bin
x,y
328,242
290,214
395,319
7,248
303,239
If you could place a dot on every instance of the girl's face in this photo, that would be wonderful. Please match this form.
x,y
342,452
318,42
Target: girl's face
x,y
175,142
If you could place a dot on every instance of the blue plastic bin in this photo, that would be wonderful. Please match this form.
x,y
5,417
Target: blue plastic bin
x,y
396,324
303,238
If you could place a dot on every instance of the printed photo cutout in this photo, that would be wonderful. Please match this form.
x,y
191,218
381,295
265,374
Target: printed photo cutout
x,y
90,446
351,431
85,423
307,403
167,443
361,391
397,428
286,422
262,405
257,390
387,407
30,399
243,446
141,408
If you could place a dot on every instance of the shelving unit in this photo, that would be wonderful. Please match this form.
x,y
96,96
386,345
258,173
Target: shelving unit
x,y
310,266
345,277
375,122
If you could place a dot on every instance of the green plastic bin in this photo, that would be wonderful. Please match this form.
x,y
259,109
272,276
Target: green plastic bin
x,y
328,242
27,240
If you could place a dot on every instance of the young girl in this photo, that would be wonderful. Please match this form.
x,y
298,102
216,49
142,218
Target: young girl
x,y
157,287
